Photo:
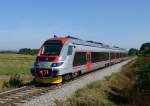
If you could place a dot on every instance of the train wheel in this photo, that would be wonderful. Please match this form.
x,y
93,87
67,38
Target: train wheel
x,y
67,77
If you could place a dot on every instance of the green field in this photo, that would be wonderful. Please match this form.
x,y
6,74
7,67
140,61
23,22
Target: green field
x,y
11,64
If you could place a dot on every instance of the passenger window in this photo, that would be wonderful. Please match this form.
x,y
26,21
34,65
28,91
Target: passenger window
x,y
79,58
70,50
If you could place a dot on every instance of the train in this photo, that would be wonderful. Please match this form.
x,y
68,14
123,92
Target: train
x,y
63,58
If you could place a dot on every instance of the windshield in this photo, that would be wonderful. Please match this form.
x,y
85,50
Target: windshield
x,y
51,47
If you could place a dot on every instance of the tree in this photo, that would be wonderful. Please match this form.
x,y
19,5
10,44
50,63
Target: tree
x,y
133,52
145,49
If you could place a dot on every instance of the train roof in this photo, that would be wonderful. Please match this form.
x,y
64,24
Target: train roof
x,y
78,41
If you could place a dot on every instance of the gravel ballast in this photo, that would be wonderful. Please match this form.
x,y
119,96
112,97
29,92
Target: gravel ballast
x,y
69,88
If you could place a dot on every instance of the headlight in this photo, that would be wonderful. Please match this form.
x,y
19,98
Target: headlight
x,y
56,64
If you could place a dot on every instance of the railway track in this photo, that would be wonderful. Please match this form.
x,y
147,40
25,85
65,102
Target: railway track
x,y
18,96
23,94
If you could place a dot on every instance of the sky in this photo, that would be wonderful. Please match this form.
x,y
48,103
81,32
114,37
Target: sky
x,y
28,23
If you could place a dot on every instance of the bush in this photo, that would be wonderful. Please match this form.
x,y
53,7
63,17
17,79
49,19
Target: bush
x,y
14,81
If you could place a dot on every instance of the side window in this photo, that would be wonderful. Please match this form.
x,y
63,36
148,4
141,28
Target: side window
x,y
70,50
79,58
99,56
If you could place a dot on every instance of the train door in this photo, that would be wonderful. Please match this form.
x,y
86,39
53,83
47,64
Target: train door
x,y
69,55
88,58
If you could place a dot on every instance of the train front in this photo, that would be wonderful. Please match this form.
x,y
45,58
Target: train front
x,y
44,70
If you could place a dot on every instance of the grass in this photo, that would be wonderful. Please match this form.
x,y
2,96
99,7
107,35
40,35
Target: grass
x,y
93,94
11,64
110,92
15,64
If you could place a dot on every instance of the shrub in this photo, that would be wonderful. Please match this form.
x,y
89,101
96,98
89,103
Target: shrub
x,y
143,76
14,81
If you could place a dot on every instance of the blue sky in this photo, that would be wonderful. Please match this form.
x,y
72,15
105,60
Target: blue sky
x,y
27,23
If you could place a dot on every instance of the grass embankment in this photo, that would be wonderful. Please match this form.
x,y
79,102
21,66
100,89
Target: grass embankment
x,y
114,90
126,88
12,64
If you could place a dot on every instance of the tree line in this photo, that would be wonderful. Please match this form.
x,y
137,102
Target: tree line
x,y
28,51
144,50
7,51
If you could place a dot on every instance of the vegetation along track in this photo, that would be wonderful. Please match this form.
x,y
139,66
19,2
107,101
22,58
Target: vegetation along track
x,y
24,94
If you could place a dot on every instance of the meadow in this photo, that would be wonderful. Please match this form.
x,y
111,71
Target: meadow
x,y
12,64
15,64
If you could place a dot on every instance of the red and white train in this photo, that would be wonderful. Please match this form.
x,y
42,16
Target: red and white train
x,y
62,58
